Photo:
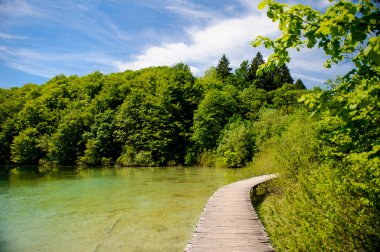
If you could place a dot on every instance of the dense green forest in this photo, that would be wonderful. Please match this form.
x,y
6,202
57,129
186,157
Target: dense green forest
x,y
151,117
324,144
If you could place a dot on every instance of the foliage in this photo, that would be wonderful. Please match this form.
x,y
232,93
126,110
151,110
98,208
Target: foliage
x,y
282,76
285,97
338,186
91,120
308,208
328,193
236,146
257,61
251,100
154,116
223,69
299,85
271,122
24,147
157,119
211,116
242,75
66,144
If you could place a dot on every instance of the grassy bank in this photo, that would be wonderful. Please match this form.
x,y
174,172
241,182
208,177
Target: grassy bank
x,y
314,205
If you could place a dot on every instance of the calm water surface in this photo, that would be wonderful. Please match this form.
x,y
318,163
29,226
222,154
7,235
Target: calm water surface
x,y
104,209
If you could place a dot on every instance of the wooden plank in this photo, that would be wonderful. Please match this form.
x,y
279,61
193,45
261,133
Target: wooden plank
x,y
229,222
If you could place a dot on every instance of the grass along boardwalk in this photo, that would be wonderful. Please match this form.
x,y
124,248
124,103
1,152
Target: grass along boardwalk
x,y
229,222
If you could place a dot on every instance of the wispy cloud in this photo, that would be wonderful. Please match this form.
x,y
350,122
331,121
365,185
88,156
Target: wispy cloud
x,y
47,64
309,78
308,65
80,56
189,10
83,17
18,8
8,36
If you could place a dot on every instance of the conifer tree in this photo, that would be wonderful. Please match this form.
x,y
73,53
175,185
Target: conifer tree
x,y
299,85
282,76
223,69
264,81
256,62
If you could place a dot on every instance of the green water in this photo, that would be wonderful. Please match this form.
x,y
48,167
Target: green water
x,y
104,209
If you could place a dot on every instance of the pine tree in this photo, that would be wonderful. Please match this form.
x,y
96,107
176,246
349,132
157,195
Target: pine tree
x,y
264,81
286,76
299,85
223,69
281,76
256,62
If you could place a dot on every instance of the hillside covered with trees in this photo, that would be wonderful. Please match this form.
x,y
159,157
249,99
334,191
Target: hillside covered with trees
x,y
151,117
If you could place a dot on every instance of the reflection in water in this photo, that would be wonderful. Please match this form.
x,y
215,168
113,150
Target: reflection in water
x,y
104,209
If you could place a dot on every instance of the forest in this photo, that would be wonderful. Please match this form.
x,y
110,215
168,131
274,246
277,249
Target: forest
x,y
152,117
323,143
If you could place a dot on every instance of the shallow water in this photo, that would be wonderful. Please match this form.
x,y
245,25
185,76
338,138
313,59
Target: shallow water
x,y
104,209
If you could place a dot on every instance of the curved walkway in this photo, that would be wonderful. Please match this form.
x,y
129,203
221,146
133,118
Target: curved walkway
x,y
229,222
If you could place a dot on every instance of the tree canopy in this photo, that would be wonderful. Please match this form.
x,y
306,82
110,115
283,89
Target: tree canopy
x,y
154,116
223,69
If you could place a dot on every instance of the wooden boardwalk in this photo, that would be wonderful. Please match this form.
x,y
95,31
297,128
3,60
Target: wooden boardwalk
x,y
229,222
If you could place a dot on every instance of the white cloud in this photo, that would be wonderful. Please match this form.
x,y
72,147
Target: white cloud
x,y
230,36
8,36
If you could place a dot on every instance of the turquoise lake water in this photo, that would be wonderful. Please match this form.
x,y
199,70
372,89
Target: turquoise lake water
x,y
104,209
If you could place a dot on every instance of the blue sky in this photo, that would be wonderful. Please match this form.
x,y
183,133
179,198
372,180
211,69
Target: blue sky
x,y
42,38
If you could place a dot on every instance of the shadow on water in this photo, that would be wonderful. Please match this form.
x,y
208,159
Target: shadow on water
x,y
35,172
3,243
4,172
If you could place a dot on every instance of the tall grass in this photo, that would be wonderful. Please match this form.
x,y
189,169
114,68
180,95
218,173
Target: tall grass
x,y
309,208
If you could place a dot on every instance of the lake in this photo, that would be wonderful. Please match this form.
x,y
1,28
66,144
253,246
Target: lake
x,y
104,209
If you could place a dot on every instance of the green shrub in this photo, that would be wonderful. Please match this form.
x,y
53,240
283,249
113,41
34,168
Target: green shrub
x,y
320,202
130,157
235,148
144,158
271,122
207,159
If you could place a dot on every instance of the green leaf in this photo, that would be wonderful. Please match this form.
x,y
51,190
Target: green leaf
x,y
263,4
327,64
256,42
323,29
373,50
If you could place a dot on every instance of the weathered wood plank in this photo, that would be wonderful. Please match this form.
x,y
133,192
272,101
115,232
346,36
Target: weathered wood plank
x,y
229,222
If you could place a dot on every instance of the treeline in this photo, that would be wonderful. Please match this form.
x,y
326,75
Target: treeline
x,y
151,117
